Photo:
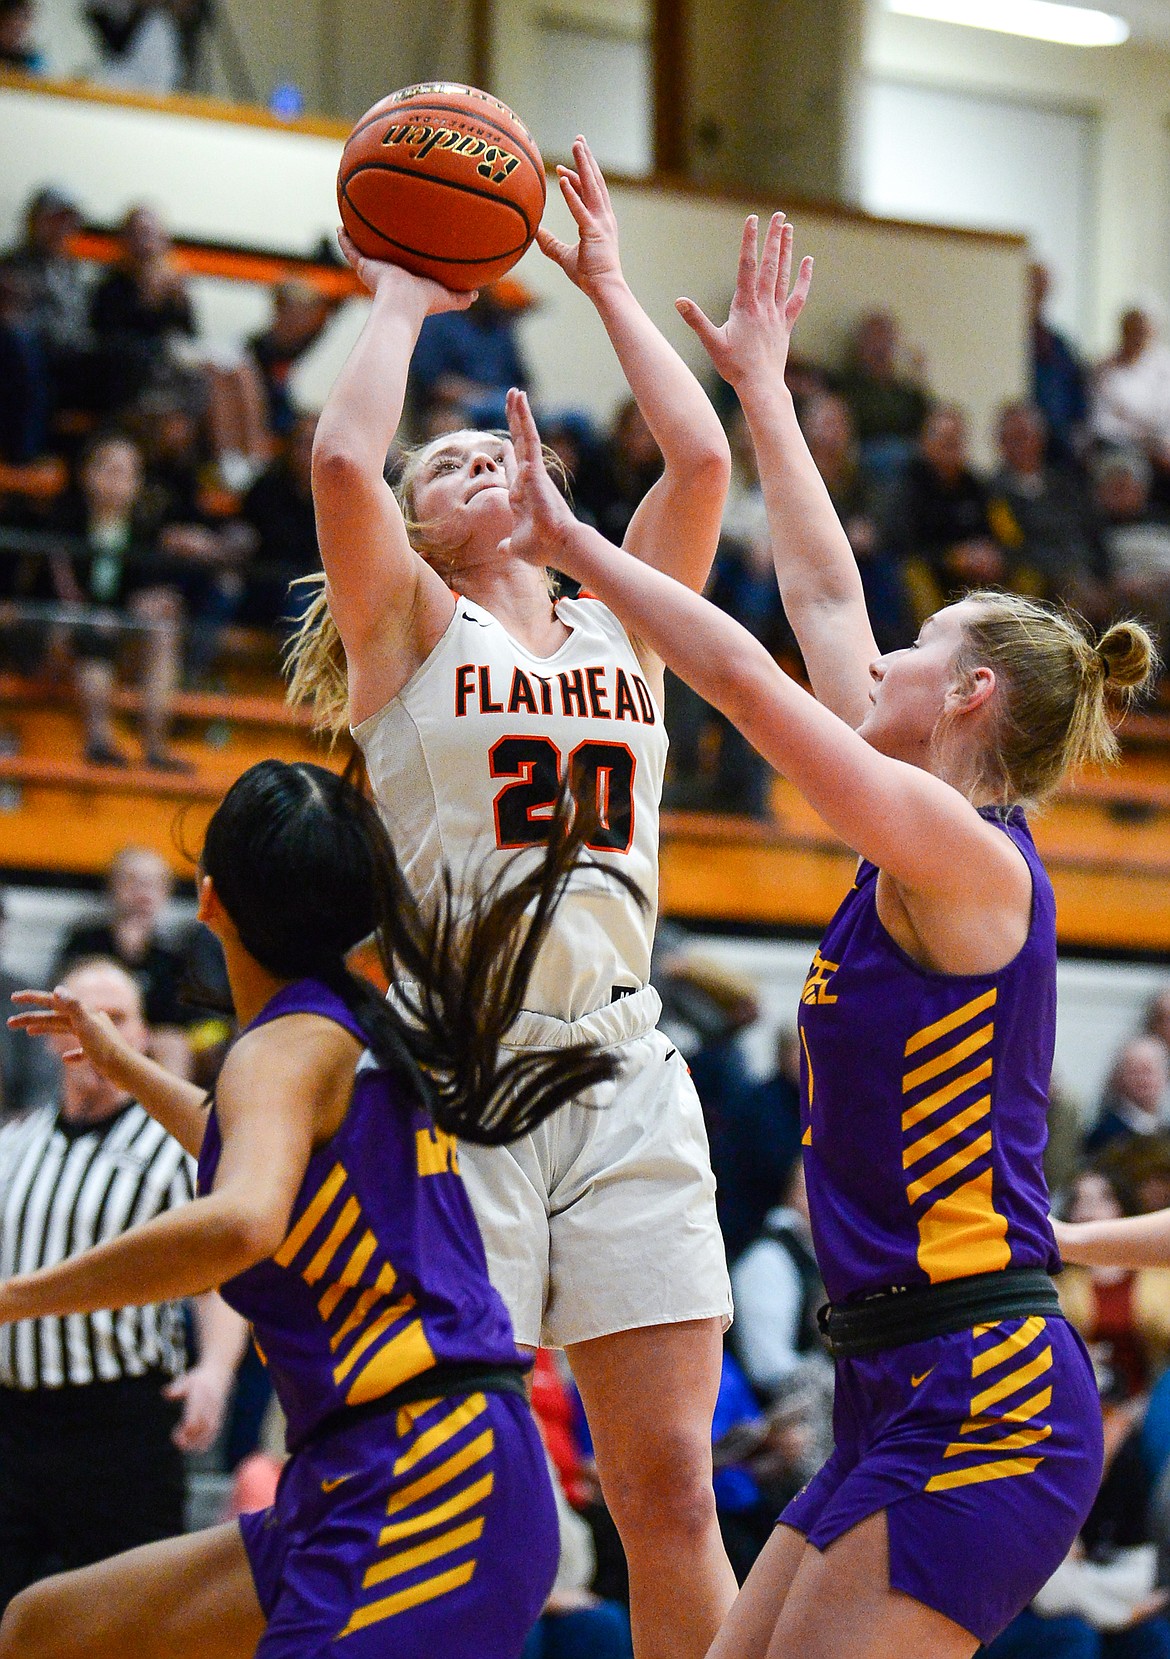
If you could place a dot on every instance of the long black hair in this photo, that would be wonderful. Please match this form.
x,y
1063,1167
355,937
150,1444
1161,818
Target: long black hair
x,y
305,869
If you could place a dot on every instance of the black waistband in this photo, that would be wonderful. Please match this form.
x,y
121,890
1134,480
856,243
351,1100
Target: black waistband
x,y
914,1313
437,1383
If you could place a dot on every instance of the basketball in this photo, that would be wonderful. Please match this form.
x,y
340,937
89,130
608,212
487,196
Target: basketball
x,y
443,180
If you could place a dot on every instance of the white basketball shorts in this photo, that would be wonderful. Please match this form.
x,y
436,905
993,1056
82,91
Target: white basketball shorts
x,y
603,1219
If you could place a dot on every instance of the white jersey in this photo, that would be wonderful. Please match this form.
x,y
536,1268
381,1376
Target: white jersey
x,y
466,764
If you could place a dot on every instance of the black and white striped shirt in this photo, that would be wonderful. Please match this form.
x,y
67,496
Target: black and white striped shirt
x,y
63,1188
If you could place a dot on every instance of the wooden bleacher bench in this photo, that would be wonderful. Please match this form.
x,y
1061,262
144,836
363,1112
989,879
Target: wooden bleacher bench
x,y
78,775
16,692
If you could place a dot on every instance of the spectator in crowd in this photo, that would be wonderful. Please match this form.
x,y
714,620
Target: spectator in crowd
x,y
577,1622
17,37
107,563
883,387
763,1457
148,45
169,434
707,1007
96,1410
936,524
1135,1098
134,934
29,1070
470,358
1142,1164
201,551
1157,1017
300,314
1043,518
1124,1317
279,511
139,309
778,1290
711,768
1131,400
828,429
25,386
759,1144
59,298
1060,381
1135,534
569,435
631,462
1063,1155
744,517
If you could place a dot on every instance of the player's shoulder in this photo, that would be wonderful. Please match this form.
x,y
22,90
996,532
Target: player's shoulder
x,y
585,610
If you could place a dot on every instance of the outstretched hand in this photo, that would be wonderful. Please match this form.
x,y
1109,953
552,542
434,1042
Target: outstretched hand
x,y
587,198
752,345
541,516
59,1013
378,274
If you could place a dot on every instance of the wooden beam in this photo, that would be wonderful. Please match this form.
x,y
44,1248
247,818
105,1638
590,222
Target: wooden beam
x,y
482,26
669,46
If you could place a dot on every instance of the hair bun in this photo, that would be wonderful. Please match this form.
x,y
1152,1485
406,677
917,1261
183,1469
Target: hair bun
x,y
1128,654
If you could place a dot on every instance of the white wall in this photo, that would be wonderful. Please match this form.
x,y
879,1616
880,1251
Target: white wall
x,y
1125,89
570,66
937,154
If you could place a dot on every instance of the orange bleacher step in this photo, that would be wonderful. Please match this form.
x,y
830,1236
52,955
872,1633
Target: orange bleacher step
x,y
243,709
82,776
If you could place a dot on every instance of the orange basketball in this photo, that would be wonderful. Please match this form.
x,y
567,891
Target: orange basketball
x,y
443,180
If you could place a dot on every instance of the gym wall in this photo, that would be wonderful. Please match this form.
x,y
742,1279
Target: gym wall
x,y
241,178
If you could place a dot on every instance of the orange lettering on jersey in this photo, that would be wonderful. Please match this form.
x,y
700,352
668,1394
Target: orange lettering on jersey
x,y
597,694
816,986
521,695
464,684
486,705
625,709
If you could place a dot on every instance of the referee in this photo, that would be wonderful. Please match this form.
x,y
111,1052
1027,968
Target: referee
x,y
97,1409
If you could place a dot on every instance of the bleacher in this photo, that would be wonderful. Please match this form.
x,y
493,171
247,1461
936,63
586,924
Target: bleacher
x,y
1107,839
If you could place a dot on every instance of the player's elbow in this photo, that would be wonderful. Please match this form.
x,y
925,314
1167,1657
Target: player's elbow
x,y
340,464
250,1233
710,462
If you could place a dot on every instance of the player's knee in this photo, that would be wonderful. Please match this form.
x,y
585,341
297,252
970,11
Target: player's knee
x,y
666,1487
26,1626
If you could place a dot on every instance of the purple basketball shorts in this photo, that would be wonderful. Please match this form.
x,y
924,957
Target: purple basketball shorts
x,y
985,1451
424,1533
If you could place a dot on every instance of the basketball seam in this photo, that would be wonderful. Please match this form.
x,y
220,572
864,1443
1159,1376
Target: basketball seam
x,y
531,155
443,184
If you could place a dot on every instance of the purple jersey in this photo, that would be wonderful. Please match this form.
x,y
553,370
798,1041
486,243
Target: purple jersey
x,y
382,1273
925,1101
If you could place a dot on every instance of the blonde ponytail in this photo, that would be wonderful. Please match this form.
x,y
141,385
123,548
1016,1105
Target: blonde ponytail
x,y
1127,653
314,663
1059,689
